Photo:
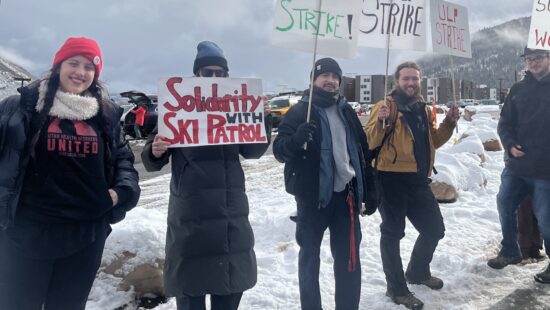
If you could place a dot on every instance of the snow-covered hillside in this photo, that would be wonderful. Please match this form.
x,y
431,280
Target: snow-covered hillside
x,y
8,70
472,236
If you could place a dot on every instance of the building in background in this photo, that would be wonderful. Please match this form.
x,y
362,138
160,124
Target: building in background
x,y
482,92
430,89
347,88
370,88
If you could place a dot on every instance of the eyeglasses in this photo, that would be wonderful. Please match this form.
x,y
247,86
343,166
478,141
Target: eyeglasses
x,y
213,73
537,58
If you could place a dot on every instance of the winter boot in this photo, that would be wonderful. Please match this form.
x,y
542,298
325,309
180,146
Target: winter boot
x,y
502,261
408,301
543,277
433,282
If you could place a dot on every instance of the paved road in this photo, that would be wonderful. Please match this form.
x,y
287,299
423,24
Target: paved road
x,y
143,174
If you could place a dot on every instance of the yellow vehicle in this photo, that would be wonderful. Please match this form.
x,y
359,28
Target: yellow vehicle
x,y
280,105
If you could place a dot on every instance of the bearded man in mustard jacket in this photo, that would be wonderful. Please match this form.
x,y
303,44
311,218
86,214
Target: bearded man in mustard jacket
x,y
404,163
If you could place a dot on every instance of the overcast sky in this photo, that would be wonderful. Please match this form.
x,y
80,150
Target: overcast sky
x,y
143,40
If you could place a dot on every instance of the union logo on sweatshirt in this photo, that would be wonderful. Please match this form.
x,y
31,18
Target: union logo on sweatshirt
x,y
72,138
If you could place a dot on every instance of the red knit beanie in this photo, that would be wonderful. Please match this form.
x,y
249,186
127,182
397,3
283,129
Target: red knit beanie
x,y
85,47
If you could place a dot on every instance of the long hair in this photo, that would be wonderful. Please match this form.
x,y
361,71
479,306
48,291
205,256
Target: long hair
x,y
408,65
96,89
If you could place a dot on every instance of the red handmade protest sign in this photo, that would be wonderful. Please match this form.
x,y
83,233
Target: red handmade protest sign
x,y
211,111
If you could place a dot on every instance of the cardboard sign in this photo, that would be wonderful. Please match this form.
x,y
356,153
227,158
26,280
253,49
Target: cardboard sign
x,y
404,20
450,29
211,111
335,23
539,34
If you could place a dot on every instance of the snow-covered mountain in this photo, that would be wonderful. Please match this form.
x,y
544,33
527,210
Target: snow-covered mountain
x,y
9,70
495,55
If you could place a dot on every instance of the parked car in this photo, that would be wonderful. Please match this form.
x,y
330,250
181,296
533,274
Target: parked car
x,y
280,106
467,102
488,102
136,100
355,106
463,103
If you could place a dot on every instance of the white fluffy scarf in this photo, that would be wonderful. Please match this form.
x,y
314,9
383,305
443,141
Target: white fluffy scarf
x,y
68,106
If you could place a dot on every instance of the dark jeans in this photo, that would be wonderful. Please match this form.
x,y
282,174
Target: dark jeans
x,y
217,302
61,283
406,195
513,189
311,224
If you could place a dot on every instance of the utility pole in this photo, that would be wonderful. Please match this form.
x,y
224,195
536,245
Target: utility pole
x,y
500,96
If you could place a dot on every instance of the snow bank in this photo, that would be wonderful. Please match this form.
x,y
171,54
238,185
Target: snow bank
x,y
472,236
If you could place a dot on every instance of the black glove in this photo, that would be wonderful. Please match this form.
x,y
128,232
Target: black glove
x,y
370,207
304,133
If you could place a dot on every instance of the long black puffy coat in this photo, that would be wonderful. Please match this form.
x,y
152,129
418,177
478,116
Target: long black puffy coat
x,y
16,114
209,242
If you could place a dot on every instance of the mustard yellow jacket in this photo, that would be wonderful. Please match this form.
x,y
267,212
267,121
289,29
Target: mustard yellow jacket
x,y
397,153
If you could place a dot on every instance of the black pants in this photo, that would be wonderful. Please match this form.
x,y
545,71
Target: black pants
x,y
217,302
61,283
311,224
406,195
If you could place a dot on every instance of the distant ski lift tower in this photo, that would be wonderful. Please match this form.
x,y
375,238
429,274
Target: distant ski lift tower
x,y
20,78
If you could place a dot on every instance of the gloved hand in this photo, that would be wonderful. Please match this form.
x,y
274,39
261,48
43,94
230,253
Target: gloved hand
x,y
372,203
304,133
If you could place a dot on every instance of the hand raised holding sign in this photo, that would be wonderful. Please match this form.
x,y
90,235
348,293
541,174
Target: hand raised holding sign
x,y
159,146
453,114
383,113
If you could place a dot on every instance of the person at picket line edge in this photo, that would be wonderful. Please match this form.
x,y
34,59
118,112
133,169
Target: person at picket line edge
x,y
404,163
67,174
330,179
209,242
523,129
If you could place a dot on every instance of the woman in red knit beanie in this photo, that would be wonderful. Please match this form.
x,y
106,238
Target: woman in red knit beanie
x,y
66,176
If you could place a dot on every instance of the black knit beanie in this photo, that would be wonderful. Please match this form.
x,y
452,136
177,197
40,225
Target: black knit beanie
x,y
324,65
209,54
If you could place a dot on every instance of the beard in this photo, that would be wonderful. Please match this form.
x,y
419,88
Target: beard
x,y
409,92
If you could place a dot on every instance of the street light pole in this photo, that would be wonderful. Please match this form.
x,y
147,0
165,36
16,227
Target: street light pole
x,y
500,90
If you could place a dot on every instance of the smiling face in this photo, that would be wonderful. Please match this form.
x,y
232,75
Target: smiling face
x,y
328,81
409,81
76,74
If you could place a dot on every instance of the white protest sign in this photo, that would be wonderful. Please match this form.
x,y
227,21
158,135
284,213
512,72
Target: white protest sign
x,y
211,111
404,20
295,26
450,29
539,34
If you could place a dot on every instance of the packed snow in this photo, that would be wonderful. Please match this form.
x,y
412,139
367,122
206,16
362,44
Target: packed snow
x,y
472,237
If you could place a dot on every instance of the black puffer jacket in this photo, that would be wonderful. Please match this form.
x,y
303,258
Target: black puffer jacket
x,y
16,114
525,120
209,242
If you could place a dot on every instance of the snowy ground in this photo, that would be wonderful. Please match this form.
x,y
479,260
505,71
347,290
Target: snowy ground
x,y
472,236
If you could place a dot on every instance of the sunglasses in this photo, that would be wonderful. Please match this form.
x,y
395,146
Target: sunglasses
x,y
213,73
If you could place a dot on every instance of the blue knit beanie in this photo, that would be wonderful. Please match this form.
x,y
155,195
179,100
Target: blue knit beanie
x,y
209,54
